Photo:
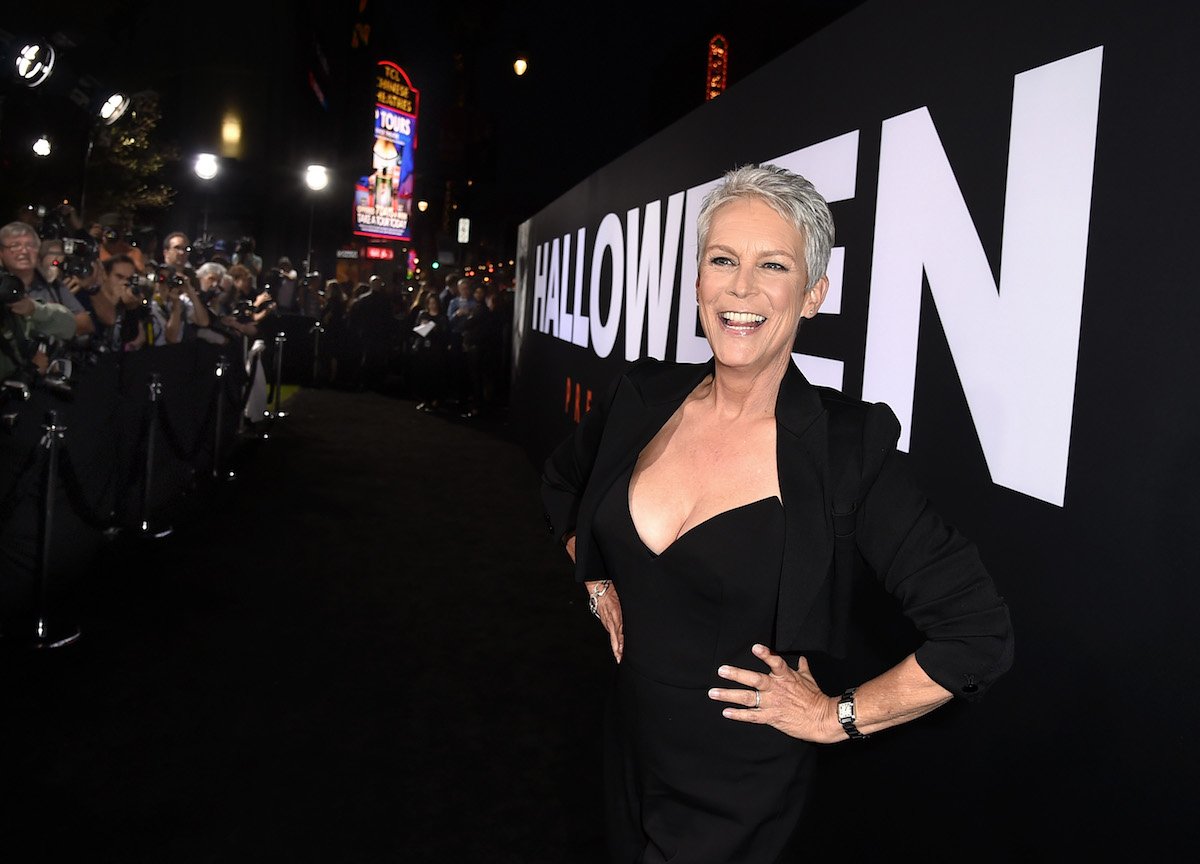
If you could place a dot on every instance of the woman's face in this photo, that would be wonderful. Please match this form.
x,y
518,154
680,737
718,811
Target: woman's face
x,y
750,286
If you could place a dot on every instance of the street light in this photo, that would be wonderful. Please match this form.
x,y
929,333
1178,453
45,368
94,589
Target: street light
x,y
41,147
206,168
35,62
114,108
316,177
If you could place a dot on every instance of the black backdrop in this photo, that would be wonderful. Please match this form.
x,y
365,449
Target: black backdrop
x,y
1088,743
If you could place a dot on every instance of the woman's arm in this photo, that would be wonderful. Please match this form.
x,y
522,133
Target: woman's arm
x,y
943,589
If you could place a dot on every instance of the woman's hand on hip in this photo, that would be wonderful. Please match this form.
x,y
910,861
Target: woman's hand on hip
x,y
788,699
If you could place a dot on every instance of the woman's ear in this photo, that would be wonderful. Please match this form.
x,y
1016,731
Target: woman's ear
x,y
815,297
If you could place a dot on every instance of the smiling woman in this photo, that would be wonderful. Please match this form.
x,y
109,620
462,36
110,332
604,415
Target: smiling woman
x,y
696,502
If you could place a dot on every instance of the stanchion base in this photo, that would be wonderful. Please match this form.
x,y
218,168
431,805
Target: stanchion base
x,y
46,637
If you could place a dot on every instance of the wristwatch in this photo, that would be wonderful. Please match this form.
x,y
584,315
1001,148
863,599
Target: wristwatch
x,y
847,714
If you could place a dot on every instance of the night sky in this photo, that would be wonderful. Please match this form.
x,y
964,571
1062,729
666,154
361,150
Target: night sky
x,y
602,78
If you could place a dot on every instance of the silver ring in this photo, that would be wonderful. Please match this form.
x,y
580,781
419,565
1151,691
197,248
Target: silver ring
x,y
757,699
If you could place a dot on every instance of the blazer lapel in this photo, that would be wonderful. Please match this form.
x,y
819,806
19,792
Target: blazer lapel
x,y
637,413
801,449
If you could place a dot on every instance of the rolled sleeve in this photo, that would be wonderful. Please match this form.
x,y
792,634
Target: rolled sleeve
x,y
934,571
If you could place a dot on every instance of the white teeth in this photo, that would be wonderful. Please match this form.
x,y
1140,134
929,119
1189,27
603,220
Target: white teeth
x,y
743,317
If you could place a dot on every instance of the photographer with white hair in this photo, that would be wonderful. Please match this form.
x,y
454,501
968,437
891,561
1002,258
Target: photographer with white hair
x,y
26,324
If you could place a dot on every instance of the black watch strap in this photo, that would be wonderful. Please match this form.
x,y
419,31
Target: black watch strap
x,y
848,714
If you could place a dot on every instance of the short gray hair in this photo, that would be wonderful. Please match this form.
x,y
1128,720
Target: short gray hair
x,y
17,229
791,196
211,267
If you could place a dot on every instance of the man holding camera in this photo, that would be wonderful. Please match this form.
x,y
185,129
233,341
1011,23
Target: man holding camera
x,y
176,302
247,257
118,309
116,239
58,280
26,324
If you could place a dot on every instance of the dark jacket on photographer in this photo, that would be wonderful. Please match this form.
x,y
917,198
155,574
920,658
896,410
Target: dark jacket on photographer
x,y
20,334
54,292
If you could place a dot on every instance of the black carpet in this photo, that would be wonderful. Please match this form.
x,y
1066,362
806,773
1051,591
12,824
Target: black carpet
x,y
363,648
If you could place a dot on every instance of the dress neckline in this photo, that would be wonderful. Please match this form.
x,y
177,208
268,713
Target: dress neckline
x,y
692,530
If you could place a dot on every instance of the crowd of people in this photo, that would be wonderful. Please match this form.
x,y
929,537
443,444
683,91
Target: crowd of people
x,y
73,289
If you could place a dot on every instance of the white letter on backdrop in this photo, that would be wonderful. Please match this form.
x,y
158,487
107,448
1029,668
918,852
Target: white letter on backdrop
x,y
608,238
1016,347
580,334
649,278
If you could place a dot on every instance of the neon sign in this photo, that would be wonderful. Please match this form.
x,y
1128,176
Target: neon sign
x,y
383,199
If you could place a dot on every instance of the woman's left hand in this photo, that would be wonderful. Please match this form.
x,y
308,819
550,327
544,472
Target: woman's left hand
x,y
788,699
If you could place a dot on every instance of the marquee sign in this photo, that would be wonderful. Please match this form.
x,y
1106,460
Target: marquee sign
x,y
383,199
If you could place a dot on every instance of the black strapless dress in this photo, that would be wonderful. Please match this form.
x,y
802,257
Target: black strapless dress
x,y
683,783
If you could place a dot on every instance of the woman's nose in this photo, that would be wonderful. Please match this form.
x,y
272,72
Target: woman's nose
x,y
743,283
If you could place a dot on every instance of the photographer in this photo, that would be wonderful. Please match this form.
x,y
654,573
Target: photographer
x,y
118,240
245,255
176,310
25,319
117,308
281,282
60,279
242,301
224,324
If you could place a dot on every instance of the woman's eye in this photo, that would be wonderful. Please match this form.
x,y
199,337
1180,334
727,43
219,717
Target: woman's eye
x,y
775,265
721,261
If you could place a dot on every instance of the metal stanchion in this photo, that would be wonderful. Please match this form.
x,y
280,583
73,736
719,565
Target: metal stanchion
x,y
155,392
316,330
43,637
280,339
218,471
243,421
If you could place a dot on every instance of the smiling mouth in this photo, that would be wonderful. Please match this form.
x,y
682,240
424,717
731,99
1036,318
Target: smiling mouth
x,y
741,322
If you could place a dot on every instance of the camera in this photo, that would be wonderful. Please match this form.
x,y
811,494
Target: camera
x,y
79,257
140,285
56,222
200,251
12,289
167,277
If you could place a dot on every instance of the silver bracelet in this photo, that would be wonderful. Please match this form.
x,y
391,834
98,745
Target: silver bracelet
x,y
595,595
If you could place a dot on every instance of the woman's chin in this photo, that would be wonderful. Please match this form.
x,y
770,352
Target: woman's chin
x,y
748,357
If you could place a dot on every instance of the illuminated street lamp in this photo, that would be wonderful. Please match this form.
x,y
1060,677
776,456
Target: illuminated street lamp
x,y
35,62
41,147
520,65
114,108
316,177
206,168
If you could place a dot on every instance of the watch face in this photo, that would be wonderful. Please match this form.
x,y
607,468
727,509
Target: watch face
x,y
846,712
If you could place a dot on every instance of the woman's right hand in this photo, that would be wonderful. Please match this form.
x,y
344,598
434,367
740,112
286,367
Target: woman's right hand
x,y
608,610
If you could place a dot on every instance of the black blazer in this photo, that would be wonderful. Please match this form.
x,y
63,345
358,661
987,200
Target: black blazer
x,y
934,573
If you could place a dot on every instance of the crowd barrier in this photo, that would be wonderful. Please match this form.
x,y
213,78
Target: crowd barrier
x,y
135,433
